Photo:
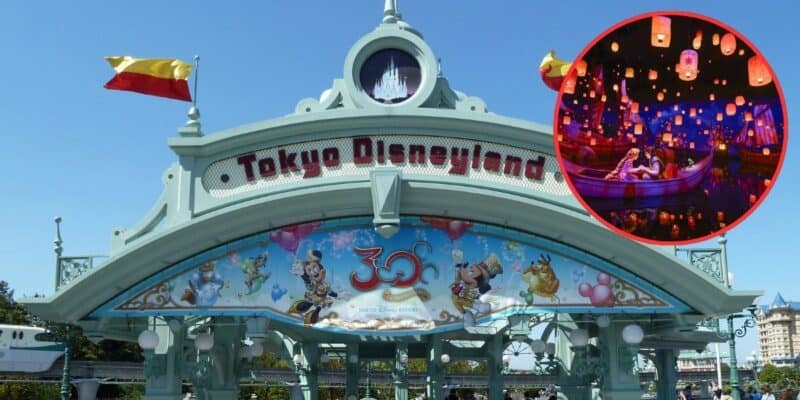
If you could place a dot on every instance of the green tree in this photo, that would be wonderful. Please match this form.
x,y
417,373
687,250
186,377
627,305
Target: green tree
x,y
779,377
11,312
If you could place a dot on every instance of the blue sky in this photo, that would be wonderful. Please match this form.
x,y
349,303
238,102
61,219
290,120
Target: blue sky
x,y
95,157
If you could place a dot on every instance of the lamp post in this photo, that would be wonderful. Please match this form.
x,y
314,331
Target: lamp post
x,y
749,322
66,389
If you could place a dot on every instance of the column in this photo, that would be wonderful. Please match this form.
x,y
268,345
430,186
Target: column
x,y
87,388
495,366
401,371
667,376
435,368
572,385
309,381
224,358
163,366
620,379
351,388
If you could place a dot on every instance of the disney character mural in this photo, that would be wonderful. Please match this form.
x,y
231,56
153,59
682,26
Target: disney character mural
x,y
471,282
253,276
318,293
541,279
204,286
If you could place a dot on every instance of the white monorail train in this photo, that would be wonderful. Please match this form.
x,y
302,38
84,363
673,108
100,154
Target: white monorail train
x,y
27,349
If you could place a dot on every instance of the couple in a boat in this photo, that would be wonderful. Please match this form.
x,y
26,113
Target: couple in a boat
x,y
638,165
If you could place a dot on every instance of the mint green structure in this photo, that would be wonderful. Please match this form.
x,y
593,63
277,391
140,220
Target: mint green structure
x,y
190,217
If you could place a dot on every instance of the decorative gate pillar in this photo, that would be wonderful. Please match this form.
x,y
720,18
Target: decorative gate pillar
x,y
401,371
351,388
224,355
163,365
621,380
495,367
436,368
309,380
667,377
87,388
573,386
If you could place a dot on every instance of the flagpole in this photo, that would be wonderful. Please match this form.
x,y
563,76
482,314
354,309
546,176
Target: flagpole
x,y
194,113
196,72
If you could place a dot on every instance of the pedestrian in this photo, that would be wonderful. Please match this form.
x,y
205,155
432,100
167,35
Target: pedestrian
x,y
767,393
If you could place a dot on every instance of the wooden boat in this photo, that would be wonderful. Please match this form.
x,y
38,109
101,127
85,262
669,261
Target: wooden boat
x,y
590,183
757,137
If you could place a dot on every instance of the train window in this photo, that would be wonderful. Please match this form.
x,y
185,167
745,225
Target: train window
x,y
14,335
20,335
45,337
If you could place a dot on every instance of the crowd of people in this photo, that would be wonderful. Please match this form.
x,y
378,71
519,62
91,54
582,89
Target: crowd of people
x,y
750,393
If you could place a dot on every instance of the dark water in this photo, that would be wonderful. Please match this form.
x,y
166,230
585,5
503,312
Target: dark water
x,y
729,191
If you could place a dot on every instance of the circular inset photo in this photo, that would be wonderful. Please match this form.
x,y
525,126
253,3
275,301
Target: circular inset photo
x,y
390,76
670,128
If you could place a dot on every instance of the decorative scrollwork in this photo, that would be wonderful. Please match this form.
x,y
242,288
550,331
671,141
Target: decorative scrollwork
x,y
588,366
749,322
708,261
71,268
157,297
629,295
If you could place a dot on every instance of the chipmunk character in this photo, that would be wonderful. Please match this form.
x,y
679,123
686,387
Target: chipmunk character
x,y
541,279
318,292
253,277
472,281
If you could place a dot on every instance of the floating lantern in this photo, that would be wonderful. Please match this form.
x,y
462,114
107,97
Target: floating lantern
x,y
566,120
660,32
741,52
716,81
560,137
615,87
750,133
592,94
724,82
614,47
679,120
760,122
658,114
666,137
593,142
580,67
748,116
660,96
634,107
652,74
699,110
677,94
569,85
767,182
687,65
646,108
711,96
629,72
624,99
723,147
705,131
753,198
698,121
603,98
715,39
721,216
758,71
692,112
691,145
719,116
728,44
637,129
730,109
739,100
698,40
765,151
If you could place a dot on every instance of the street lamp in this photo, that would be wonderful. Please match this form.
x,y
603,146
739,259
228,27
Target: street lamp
x,y
749,322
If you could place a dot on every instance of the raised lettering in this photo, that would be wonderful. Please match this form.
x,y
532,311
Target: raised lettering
x,y
535,169
458,163
330,157
362,150
513,166
416,154
287,161
247,161
310,164
492,161
266,167
397,153
438,155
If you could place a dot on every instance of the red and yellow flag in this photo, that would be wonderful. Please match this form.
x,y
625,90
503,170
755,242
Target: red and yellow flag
x,y
154,76
553,70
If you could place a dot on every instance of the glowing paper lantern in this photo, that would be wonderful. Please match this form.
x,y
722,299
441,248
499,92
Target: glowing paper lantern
x,y
634,107
592,94
711,96
739,100
741,52
679,120
660,96
666,137
566,120
592,142
699,121
723,147
560,137
652,74
692,112
715,39
698,40
719,116
614,47
765,151
580,67
603,98
658,114
660,32
687,65
615,87
730,109
748,116
728,44
624,99
569,85
758,72
629,72
637,129
691,145
750,133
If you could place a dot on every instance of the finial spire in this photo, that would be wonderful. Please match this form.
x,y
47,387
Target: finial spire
x,y
390,13
194,112
57,241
